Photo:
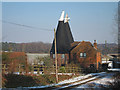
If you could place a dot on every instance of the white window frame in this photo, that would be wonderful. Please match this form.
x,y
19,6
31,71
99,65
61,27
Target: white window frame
x,y
53,55
63,56
83,55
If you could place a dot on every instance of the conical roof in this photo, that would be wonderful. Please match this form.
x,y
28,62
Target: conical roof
x,y
63,38
69,34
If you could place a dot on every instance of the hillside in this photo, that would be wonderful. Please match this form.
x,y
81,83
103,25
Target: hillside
x,y
40,47
110,48
33,47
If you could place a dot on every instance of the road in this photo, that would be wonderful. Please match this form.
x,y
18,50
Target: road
x,y
94,80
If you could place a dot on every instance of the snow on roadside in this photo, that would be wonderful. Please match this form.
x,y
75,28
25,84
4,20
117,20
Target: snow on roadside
x,y
80,77
103,82
84,81
70,80
114,69
65,73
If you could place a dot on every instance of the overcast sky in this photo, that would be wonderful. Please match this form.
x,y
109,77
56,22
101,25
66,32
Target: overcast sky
x,y
88,21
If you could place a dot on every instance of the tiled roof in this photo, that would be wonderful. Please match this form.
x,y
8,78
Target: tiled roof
x,y
81,45
74,44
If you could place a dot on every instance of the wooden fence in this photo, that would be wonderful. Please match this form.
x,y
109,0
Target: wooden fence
x,y
7,69
41,69
45,69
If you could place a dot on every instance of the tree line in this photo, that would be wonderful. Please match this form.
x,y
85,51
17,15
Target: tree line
x,y
33,47
40,47
108,48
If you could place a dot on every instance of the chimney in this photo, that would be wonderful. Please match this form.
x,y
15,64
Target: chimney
x,y
95,44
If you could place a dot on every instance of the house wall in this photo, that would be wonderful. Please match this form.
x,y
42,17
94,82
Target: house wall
x,y
93,57
33,57
62,59
83,61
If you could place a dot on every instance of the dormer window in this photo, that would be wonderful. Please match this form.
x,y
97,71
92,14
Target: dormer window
x,y
82,55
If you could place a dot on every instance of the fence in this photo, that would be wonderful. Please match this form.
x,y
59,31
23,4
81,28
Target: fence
x,y
44,69
6,68
41,69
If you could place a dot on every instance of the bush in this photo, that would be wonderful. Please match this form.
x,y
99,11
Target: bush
x,y
49,78
13,80
62,69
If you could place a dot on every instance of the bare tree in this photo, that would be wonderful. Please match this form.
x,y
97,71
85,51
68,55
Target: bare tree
x,y
119,27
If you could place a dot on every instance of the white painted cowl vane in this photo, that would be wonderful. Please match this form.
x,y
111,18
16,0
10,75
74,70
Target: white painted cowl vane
x,y
62,16
66,18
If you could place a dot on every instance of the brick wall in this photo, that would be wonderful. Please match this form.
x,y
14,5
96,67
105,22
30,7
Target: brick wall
x,y
98,59
91,58
62,59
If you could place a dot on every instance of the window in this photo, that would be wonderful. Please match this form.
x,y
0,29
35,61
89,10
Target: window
x,y
63,55
82,55
53,55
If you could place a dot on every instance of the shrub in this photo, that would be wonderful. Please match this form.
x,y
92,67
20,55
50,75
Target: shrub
x,y
13,80
62,69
